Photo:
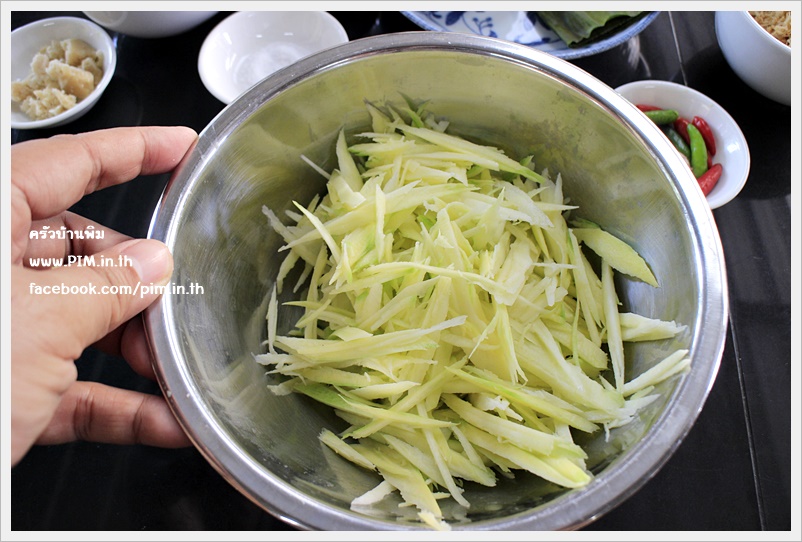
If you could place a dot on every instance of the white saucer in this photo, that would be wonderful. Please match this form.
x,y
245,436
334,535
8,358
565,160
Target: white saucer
x,y
248,46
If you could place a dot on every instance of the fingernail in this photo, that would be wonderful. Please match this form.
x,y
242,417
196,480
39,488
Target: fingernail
x,y
150,259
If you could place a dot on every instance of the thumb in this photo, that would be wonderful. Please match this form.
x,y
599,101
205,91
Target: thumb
x,y
94,294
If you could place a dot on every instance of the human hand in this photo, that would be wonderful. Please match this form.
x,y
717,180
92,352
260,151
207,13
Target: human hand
x,y
49,332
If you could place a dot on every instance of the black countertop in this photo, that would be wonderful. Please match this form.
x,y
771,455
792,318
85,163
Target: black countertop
x,y
733,470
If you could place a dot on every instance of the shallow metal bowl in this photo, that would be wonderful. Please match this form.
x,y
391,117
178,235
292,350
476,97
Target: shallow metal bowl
x,y
616,166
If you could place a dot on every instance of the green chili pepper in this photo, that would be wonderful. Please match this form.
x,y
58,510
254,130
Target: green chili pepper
x,y
698,151
675,138
662,116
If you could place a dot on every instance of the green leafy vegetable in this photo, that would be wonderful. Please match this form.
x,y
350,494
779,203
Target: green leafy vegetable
x,y
580,28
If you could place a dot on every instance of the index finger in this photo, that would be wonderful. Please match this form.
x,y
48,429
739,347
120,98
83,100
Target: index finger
x,y
55,173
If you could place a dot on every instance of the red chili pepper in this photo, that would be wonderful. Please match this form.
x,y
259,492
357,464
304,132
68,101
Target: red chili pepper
x,y
709,179
647,107
681,126
707,133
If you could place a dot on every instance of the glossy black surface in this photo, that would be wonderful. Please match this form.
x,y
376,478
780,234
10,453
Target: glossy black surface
x,y
732,472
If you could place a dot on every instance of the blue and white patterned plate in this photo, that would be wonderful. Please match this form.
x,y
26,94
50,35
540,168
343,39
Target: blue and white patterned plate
x,y
520,27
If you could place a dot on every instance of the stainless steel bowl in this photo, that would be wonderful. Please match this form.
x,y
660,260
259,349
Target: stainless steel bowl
x,y
616,166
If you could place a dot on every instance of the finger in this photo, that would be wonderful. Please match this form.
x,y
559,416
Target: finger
x,y
75,242
53,174
130,342
96,412
134,347
38,382
83,304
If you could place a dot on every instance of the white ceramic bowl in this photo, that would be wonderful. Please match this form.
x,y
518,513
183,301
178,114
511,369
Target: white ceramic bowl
x,y
150,24
732,151
27,40
762,61
250,45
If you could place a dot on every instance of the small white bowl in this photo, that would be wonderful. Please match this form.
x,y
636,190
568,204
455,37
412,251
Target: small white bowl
x,y
248,46
27,40
732,151
761,61
150,24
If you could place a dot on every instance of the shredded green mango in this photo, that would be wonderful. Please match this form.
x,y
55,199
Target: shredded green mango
x,y
451,318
